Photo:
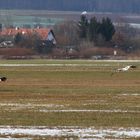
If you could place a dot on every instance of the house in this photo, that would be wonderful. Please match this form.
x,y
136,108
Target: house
x,y
45,34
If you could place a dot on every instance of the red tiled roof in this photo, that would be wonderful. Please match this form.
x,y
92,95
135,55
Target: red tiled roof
x,y
42,32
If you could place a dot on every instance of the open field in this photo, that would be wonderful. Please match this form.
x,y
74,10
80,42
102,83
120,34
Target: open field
x,y
50,18
25,18
73,99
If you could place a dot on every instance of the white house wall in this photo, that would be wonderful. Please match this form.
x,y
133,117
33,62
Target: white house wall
x,y
50,37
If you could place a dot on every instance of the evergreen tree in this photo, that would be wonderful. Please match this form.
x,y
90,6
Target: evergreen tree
x,y
94,28
18,38
107,29
83,27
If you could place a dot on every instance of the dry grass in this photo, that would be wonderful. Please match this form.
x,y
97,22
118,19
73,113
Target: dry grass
x,y
29,90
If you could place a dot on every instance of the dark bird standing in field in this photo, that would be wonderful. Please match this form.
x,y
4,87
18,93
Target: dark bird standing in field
x,y
3,79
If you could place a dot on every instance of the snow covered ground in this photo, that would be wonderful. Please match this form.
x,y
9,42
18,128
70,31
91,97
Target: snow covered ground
x,y
79,132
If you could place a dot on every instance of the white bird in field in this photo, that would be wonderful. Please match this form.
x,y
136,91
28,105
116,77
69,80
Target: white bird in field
x,y
124,69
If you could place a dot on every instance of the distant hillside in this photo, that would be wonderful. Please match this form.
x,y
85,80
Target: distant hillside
x,y
117,6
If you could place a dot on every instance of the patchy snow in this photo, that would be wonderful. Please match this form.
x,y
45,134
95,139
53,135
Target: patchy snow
x,y
59,108
59,64
19,106
65,131
105,111
131,94
30,105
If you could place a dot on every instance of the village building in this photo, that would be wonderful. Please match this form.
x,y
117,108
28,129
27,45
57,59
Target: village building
x,y
45,34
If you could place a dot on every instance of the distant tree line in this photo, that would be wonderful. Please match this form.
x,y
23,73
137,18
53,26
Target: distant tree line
x,y
84,38
81,39
92,29
89,37
119,6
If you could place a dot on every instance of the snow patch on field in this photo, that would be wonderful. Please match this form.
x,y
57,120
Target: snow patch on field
x,y
105,111
79,132
18,106
58,108
131,94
